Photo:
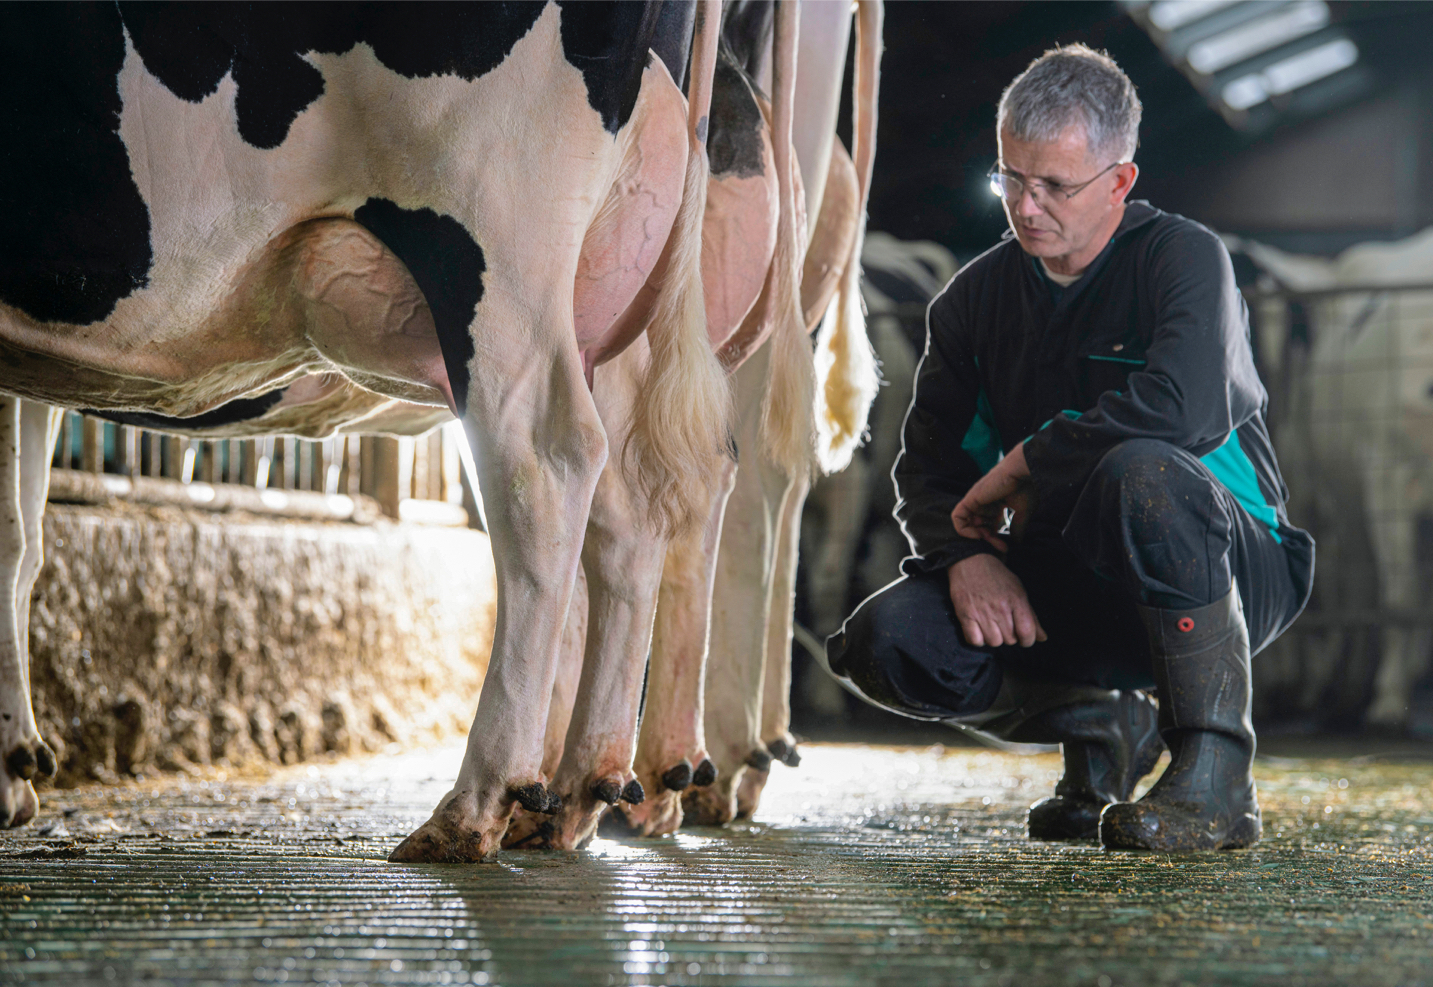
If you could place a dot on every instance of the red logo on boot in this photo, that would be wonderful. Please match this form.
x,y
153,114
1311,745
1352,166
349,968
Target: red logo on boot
x,y
1186,624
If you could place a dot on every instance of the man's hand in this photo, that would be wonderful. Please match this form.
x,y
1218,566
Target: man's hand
x,y
991,605
981,513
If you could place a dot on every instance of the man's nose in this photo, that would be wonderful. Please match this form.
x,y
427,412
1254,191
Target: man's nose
x,y
1026,205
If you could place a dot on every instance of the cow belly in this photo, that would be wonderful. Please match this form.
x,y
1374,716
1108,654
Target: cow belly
x,y
611,295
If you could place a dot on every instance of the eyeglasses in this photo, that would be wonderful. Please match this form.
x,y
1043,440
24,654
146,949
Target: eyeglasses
x,y
1010,188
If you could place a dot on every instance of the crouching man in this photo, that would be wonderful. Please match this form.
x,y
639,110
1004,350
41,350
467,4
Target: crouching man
x,y
1089,491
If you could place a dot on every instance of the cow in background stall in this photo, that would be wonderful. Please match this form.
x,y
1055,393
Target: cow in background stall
x,y
1355,421
463,206
852,542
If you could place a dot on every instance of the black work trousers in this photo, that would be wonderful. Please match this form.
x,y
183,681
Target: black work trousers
x,y
1152,526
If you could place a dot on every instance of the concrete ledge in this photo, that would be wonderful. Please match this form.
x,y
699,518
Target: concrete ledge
x,y
164,638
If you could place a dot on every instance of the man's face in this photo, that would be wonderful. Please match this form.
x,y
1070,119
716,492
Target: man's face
x,y
1066,232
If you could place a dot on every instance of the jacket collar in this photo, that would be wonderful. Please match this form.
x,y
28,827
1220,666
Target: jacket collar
x,y
1137,214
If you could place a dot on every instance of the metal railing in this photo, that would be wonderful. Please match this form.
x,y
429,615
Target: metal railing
x,y
419,479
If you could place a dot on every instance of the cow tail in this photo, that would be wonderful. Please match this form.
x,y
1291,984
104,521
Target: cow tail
x,y
682,422
845,362
787,433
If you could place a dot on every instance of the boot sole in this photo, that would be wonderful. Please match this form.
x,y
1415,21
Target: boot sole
x,y
1243,832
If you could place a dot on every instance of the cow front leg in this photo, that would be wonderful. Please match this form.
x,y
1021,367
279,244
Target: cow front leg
x,y
671,746
540,448
25,430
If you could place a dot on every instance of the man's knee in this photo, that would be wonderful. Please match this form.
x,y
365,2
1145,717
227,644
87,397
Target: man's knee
x,y
868,647
902,650
1149,485
1137,462
1151,516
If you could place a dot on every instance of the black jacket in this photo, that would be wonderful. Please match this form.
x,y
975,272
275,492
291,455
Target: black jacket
x,y
1151,342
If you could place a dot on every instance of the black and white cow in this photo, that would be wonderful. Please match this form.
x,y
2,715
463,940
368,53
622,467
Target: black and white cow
x,y
451,205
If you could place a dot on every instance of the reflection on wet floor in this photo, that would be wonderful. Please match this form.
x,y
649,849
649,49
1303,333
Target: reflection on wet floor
x,y
866,865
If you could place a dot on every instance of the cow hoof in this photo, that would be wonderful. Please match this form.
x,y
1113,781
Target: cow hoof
x,y
708,806
632,793
679,777
527,831
432,843
18,803
607,790
748,792
758,759
705,774
31,760
657,816
535,798
784,751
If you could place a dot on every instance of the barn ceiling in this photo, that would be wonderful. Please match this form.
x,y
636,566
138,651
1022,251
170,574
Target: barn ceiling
x,y
947,63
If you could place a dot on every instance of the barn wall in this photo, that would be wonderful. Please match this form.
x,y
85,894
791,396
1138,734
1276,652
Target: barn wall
x,y
163,638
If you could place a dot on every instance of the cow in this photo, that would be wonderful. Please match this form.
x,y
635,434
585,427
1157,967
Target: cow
x,y
727,588
1358,417
474,207
671,752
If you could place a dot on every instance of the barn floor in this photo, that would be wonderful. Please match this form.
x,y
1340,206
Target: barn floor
x,y
867,865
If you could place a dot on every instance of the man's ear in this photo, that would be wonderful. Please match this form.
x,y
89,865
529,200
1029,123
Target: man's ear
x,y
1125,176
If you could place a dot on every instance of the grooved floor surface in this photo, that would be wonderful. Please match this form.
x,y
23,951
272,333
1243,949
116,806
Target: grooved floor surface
x,y
865,866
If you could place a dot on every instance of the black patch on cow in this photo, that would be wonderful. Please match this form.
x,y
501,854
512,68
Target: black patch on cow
x,y
672,38
746,33
598,37
734,145
468,40
231,413
74,231
191,48
447,265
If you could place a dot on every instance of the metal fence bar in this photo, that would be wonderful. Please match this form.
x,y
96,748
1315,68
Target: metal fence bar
x,y
391,470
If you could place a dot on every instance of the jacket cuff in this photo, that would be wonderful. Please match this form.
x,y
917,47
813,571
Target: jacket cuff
x,y
947,555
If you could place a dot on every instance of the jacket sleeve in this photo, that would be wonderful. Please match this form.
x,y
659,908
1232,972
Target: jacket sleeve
x,y
944,433
1198,384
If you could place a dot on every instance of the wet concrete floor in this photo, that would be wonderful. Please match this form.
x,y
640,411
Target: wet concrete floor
x,y
866,865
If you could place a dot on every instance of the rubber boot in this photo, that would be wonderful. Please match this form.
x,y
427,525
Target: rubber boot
x,y
1205,800
1108,747
1109,739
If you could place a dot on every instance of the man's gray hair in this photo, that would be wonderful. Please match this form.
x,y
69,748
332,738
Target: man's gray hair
x,y
1069,85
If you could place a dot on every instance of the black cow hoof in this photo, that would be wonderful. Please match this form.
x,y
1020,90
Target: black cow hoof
x,y
678,778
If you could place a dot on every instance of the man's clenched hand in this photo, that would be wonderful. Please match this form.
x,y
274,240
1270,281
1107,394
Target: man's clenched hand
x,y
991,605
981,511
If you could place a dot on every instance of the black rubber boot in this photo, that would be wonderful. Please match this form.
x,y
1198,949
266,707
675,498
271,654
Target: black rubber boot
x,y
1205,800
1109,738
1108,747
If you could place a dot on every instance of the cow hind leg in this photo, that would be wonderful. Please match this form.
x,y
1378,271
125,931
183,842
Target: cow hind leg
x,y
533,828
540,448
741,606
26,436
671,747
776,684
622,555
